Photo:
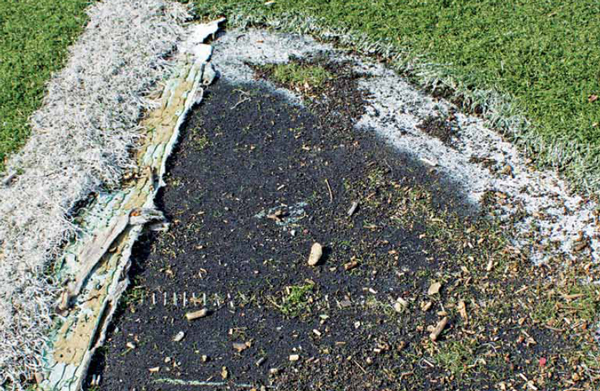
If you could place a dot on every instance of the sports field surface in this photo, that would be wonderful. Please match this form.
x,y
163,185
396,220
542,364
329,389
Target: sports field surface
x,y
541,55
34,37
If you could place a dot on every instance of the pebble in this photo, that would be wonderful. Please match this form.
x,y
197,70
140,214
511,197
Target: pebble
x,y
316,252
179,336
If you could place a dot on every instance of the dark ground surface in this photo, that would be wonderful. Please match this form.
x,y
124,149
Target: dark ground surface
x,y
245,151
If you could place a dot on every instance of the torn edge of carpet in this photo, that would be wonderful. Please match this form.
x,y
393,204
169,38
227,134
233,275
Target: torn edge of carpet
x,y
96,267
81,143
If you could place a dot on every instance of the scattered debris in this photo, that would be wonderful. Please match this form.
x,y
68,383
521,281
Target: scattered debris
x,y
400,305
9,178
283,215
401,346
353,208
462,310
316,252
434,289
350,265
345,303
277,215
197,314
260,361
334,346
437,330
179,336
240,347
329,190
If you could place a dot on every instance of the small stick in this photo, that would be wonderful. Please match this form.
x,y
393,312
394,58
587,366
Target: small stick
x,y
329,189
196,314
438,329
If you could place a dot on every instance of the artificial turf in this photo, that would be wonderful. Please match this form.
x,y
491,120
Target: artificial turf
x,y
544,55
34,37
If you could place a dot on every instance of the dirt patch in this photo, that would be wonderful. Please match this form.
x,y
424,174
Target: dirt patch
x,y
257,180
444,129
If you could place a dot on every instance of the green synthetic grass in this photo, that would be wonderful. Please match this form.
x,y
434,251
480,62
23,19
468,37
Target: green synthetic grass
x,y
300,75
543,54
34,36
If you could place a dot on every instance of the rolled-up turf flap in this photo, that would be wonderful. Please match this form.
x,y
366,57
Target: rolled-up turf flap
x,y
94,268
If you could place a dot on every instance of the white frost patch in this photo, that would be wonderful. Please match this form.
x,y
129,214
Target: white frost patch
x,y
478,158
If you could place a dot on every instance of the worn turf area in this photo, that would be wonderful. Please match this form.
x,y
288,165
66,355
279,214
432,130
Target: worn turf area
x,y
35,37
257,180
539,53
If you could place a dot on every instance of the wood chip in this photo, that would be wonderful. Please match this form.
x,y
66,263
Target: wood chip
x,y
294,357
224,373
462,310
154,370
240,347
316,252
434,289
197,314
350,265
438,329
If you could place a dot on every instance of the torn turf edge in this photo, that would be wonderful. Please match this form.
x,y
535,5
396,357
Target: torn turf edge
x,y
96,267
